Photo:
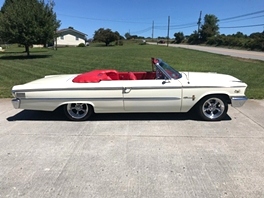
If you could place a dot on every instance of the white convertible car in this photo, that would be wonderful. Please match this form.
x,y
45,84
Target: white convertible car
x,y
108,91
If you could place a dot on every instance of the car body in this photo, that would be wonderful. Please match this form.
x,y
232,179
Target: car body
x,y
163,89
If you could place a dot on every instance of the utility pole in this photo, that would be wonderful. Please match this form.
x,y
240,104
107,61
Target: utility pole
x,y
152,30
168,35
199,21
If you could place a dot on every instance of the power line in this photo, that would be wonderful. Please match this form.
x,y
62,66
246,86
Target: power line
x,y
243,15
98,19
179,26
244,26
183,27
175,27
243,19
142,31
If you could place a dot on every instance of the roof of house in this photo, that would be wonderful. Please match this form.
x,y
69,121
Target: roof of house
x,y
70,29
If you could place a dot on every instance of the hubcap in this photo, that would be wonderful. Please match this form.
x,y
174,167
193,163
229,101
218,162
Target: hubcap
x,y
213,108
77,110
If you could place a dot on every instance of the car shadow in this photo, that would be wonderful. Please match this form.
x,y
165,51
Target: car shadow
x,y
57,115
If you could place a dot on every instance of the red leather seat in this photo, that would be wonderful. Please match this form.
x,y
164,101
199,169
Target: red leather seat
x,y
132,76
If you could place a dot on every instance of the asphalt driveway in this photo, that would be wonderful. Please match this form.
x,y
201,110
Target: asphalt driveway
x,y
132,155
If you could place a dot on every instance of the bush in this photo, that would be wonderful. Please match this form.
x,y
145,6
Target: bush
x,y
255,44
143,42
119,43
216,40
81,45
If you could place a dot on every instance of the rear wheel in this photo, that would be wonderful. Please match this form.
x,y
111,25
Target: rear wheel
x,y
78,111
213,108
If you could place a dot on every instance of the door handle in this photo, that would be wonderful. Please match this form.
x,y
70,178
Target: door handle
x,y
165,81
126,90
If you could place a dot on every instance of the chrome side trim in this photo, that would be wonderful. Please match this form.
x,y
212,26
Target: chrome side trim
x,y
96,89
121,88
70,89
106,99
152,98
154,87
238,101
73,99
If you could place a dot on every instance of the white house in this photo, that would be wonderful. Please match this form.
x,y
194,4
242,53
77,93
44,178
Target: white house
x,y
70,37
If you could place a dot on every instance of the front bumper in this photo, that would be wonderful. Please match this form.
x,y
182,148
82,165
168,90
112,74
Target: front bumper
x,y
238,101
16,103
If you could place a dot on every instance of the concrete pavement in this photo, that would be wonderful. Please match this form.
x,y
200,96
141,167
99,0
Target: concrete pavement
x,y
132,155
224,51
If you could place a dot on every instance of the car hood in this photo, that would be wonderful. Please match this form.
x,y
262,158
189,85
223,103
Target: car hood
x,y
209,79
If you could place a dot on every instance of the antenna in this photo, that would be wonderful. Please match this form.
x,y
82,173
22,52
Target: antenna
x,y
187,77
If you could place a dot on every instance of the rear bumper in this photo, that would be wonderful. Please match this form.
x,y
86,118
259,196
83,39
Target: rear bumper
x,y
238,101
16,103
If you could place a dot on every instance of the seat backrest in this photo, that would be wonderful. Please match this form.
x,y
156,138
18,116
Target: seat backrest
x,y
132,76
112,74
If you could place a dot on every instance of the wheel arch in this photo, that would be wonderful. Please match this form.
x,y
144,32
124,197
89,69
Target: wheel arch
x,y
225,96
76,101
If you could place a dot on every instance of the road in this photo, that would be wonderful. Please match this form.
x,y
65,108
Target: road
x,y
132,155
223,51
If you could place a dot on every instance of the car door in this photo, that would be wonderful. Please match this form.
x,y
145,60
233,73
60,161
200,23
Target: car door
x,y
152,95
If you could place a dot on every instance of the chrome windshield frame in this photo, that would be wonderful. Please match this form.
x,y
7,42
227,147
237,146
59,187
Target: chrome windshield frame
x,y
166,74
163,71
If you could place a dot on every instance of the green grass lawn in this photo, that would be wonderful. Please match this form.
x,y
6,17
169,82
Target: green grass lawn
x,y
16,68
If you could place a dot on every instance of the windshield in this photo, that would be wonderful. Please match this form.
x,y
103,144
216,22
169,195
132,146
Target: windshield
x,y
169,70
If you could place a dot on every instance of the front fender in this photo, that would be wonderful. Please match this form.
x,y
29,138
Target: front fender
x,y
192,96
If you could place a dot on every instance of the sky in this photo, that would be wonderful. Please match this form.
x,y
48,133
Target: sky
x,y
151,17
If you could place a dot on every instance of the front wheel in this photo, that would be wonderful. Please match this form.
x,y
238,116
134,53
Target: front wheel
x,y
78,111
213,108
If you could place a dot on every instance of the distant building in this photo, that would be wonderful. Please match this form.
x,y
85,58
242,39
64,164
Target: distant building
x,y
70,37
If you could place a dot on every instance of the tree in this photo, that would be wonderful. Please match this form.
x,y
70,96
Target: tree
x,y
128,35
28,22
194,38
256,41
106,36
210,27
179,37
239,35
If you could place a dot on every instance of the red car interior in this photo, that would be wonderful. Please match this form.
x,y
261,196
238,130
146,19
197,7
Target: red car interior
x,y
99,75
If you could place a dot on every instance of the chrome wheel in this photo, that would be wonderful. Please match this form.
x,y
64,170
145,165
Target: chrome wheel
x,y
213,108
78,111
